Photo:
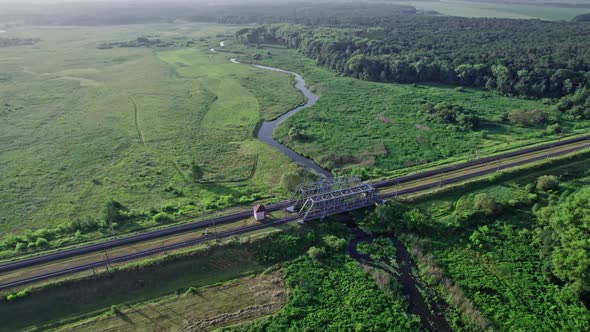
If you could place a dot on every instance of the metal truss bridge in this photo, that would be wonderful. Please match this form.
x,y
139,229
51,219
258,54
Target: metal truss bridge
x,y
333,196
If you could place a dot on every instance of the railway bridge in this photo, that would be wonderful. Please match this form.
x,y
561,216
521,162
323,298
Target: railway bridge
x,y
332,196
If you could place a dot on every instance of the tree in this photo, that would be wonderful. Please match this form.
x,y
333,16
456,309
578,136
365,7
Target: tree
x,y
316,254
487,204
568,223
547,182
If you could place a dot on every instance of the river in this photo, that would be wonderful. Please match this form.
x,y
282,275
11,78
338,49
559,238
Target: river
x,y
267,127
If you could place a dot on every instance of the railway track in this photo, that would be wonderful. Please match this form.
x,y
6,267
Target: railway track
x,y
415,183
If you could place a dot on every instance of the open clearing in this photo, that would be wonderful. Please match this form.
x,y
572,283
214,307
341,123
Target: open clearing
x,y
207,309
93,296
394,135
71,137
499,10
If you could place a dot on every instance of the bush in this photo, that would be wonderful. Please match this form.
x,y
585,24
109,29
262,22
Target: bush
x,y
164,218
526,119
487,204
20,246
115,310
335,243
190,291
316,254
547,182
554,129
41,243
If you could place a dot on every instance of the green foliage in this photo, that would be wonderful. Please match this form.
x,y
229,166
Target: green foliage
x,y
577,105
522,68
396,131
164,218
19,295
114,211
487,204
291,179
115,310
567,222
378,248
336,296
281,247
334,243
316,254
454,115
547,182
197,172
191,291
527,119
385,218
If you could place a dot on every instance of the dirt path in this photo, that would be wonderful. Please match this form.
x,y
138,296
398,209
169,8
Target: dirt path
x,y
431,321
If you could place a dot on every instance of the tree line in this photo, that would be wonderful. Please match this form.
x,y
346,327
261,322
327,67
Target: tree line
x,y
9,42
530,58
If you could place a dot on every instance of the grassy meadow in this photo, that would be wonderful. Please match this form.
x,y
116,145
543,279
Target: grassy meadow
x,y
499,10
378,125
80,126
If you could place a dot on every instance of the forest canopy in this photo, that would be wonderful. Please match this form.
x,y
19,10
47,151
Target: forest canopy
x,y
512,57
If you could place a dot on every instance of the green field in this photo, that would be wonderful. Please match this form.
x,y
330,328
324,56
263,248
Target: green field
x,y
375,125
497,260
80,126
499,10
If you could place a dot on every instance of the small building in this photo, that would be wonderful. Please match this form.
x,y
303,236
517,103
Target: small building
x,y
259,212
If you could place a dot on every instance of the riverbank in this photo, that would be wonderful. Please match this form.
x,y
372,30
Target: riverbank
x,y
266,128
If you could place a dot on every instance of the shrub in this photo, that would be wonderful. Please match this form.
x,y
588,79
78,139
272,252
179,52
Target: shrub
x,y
487,204
164,218
526,119
547,182
334,242
115,310
11,297
316,254
554,129
20,246
190,291
41,243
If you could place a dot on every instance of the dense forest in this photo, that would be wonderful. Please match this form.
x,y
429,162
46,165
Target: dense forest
x,y
582,18
513,57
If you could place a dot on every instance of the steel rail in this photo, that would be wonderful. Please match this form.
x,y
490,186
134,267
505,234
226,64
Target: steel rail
x,y
150,235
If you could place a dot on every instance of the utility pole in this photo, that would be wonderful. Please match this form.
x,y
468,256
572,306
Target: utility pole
x,y
108,261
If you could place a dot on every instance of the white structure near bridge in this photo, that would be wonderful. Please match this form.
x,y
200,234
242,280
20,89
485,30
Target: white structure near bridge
x,y
259,212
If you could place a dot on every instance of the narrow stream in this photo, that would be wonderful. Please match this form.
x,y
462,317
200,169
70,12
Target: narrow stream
x,y
432,319
267,127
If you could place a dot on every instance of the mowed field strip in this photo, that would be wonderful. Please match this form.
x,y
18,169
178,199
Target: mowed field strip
x,y
206,309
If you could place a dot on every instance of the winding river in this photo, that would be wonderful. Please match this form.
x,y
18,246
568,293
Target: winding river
x,y
267,127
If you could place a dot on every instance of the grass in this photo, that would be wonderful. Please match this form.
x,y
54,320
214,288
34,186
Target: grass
x,y
499,10
156,279
89,297
71,137
204,308
495,260
374,125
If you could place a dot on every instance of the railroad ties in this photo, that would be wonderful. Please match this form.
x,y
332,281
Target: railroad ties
x,y
333,196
